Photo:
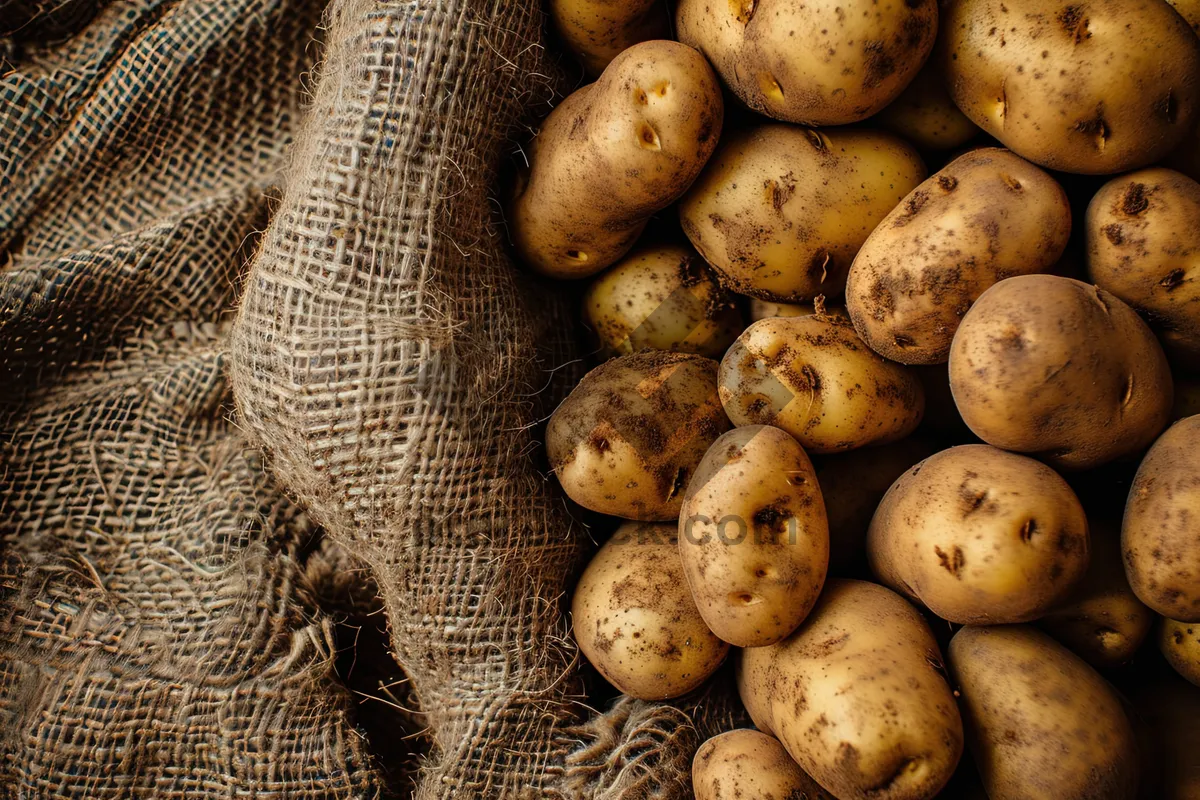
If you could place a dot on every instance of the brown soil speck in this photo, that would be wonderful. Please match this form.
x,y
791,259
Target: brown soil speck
x,y
1135,201
952,562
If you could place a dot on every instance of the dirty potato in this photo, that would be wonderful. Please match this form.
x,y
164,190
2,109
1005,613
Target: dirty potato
x,y
925,115
597,31
1180,645
748,764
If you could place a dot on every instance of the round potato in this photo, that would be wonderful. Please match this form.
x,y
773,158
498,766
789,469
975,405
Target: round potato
x,y
925,115
814,378
1158,534
1040,722
628,438
597,31
1143,240
661,298
820,62
987,216
612,154
1180,645
780,211
980,536
634,618
1052,366
753,536
748,764
858,697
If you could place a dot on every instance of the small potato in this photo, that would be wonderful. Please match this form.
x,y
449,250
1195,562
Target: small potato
x,y
612,154
753,536
820,62
814,378
980,536
1052,366
634,618
751,765
780,211
1040,722
1159,535
628,438
1180,645
987,216
597,31
1143,240
858,697
661,298
925,115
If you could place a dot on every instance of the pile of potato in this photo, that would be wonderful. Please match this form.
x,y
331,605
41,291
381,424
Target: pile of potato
x,y
886,382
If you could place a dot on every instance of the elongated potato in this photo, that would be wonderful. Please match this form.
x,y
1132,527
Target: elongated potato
x,y
1180,645
753,536
597,31
925,114
780,211
612,154
987,216
748,764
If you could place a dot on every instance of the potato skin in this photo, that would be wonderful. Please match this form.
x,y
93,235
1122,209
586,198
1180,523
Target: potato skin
x,y
753,536
1158,533
925,114
780,211
1040,722
1052,366
988,215
628,438
1143,238
857,696
1180,645
634,619
1094,88
821,62
612,154
597,31
814,378
748,764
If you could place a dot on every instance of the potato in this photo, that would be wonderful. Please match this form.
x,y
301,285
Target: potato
x,y
748,764
661,298
634,618
628,438
1143,239
820,62
780,211
612,154
1190,11
987,216
1180,645
925,115
980,536
1096,88
1040,722
1171,708
765,309
1052,366
1158,533
814,378
857,696
753,536
597,31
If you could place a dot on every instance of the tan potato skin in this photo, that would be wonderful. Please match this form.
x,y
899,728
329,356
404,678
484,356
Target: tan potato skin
x,y
612,154
753,536
814,378
987,216
1159,533
661,298
1189,10
1040,722
1180,645
597,31
820,62
925,115
1143,241
780,211
751,765
634,619
857,696
628,438
1095,88
1053,366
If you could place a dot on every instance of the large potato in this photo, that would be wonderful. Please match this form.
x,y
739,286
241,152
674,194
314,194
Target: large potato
x,y
1180,645
1040,722
597,31
753,536
634,618
780,211
1159,532
1143,240
857,696
750,765
1052,366
925,115
612,154
988,215
980,536
1097,87
820,62
814,378
628,438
